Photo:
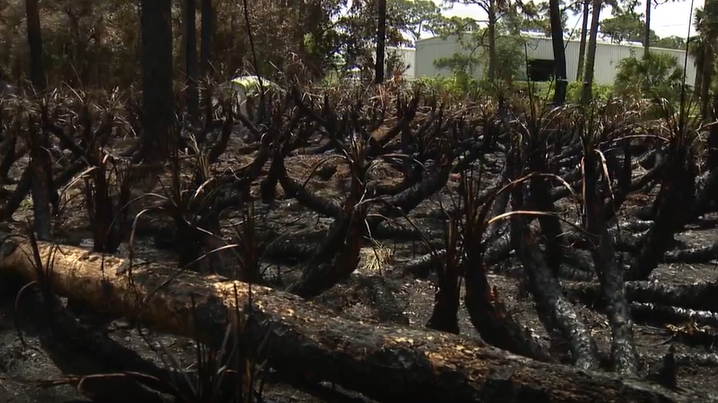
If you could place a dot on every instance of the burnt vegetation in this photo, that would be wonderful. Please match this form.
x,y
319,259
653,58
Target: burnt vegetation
x,y
579,237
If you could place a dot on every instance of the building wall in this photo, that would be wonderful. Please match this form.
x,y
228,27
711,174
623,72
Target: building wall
x,y
607,57
432,49
408,57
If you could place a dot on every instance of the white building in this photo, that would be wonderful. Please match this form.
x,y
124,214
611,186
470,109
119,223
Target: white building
x,y
540,49
407,57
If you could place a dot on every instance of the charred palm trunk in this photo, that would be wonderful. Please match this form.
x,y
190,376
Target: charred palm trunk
x,y
410,198
8,156
444,316
295,189
489,315
712,158
624,184
555,311
609,270
339,256
268,187
487,311
550,224
675,201
41,166
491,318
502,200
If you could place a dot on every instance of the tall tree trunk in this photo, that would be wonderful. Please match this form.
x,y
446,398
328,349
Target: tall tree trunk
x,y
491,37
712,157
647,31
34,40
206,34
591,56
41,167
190,42
380,42
706,80
582,43
559,53
698,82
157,94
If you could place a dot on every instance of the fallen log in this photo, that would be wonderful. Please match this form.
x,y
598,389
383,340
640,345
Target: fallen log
x,y
701,296
386,363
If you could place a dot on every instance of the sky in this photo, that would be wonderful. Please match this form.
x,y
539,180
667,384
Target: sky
x,y
672,18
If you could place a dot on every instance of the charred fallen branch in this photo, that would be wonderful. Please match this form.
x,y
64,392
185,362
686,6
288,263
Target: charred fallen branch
x,y
699,254
673,204
382,362
700,296
661,314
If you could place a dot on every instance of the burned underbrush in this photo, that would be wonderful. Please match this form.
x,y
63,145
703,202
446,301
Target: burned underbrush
x,y
556,234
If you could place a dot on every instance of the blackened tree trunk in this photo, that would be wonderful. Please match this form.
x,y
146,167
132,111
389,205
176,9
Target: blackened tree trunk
x,y
157,94
587,93
41,167
712,157
647,31
491,37
706,80
559,53
380,42
609,270
582,43
206,34
34,40
190,42
445,315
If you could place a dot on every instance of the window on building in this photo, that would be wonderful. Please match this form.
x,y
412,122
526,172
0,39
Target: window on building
x,y
540,69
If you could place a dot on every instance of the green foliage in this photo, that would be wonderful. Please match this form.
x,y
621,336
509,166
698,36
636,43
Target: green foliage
x,y
457,86
414,16
625,27
533,18
545,91
511,58
660,76
670,42
96,43
469,60
510,54
601,92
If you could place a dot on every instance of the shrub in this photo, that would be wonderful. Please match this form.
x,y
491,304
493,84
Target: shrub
x,y
659,76
458,85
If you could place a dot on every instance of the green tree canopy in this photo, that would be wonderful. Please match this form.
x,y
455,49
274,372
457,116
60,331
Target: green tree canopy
x,y
625,27
670,42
